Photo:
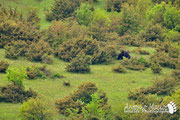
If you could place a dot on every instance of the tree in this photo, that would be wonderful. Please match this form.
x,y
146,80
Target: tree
x,y
63,9
172,18
84,14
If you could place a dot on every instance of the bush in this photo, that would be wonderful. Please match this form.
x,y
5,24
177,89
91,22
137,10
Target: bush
x,y
133,64
99,28
15,93
60,32
142,51
153,32
58,11
77,100
36,109
13,27
84,92
84,14
164,60
129,22
114,5
3,66
35,72
119,69
37,51
171,18
173,36
98,52
155,67
56,75
80,99
161,86
176,74
67,103
15,49
16,76
80,64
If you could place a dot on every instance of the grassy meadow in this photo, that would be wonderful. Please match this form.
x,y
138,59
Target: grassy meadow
x,y
115,85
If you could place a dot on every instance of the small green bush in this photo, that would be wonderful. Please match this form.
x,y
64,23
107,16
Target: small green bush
x,y
80,64
84,14
3,66
16,76
156,67
15,93
119,69
36,109
133,64
56,75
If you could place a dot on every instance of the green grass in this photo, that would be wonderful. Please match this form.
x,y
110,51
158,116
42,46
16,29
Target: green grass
x,y
115,85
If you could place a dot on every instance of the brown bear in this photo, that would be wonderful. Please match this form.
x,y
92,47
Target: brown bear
x,y
125,54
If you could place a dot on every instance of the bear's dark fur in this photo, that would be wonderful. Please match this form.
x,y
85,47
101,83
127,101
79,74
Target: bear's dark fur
x,y
125,54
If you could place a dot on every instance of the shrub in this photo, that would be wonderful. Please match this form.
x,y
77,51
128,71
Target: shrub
x,y
16,76
171,18
37,51
142,51
15,93
114,5
36,109
14,28
56,75
84,14
58,11
67,103
84,92
176,74
99,28
153,32
93,109
133,64
35,72
173,36
80,64
129,20
15,49
98,52
164,60
161,86
3,66
80,98
119,69
155,67
61,31
156,13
